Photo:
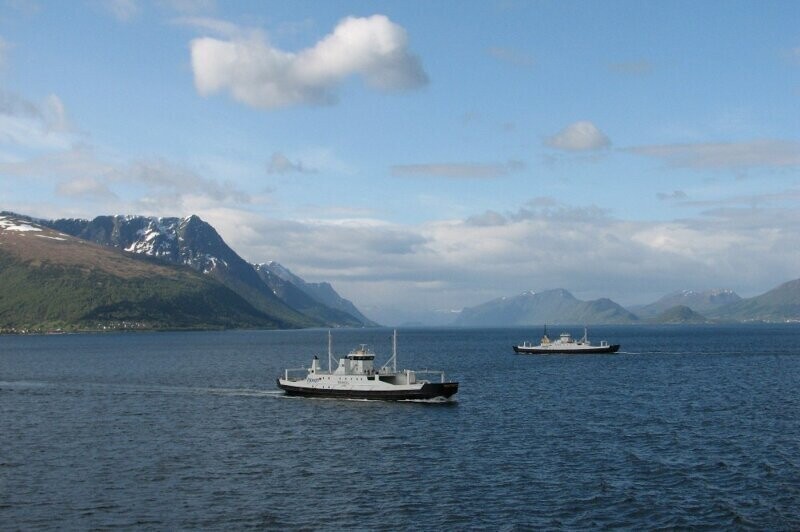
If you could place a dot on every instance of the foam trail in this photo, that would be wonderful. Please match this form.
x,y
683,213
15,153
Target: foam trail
x,y
432,401
142,388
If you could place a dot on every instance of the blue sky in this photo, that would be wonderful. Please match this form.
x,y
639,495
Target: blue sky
x,y
424,156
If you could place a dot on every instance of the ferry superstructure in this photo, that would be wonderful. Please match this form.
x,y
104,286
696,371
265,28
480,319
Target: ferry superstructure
x,y
565,344
356,377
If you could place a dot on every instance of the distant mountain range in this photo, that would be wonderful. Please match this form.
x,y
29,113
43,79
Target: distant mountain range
x,y
550,306
276,276
285,300
701,302
782,304
134,272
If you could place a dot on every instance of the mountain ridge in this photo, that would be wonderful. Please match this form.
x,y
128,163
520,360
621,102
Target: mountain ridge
x,y
194,242
322,291
52,281
781,304
189,241
286,300
549,306
699,301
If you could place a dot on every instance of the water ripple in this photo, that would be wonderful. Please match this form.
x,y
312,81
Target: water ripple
x,y
179,431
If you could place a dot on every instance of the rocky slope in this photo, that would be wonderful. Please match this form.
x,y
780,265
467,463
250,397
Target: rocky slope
x,y
191,241
50,280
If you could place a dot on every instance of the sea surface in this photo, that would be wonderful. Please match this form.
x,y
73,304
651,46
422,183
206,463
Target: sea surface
x,y
687,427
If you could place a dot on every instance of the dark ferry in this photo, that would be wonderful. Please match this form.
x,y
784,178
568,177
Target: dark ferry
x,y
356,377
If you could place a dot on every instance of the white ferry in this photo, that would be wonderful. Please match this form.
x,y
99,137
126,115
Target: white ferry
x,y
565,344
355,377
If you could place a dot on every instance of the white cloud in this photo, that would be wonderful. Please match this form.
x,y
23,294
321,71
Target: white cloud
x,y
544,244
280,164
54,114
85,187
163,176
580,136
260,75
122,10
190,7
675,195
458,170
216,26
29,125
154,185
397,269
726,155
488,218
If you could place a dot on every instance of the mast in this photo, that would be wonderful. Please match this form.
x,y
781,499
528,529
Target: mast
x,y
330,352
393,358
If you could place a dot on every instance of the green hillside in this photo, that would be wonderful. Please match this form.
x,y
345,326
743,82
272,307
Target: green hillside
x,y
781,304
187,242
50,281
679,314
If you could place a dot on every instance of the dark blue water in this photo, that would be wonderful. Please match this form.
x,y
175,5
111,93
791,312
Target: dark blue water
x,y
689,427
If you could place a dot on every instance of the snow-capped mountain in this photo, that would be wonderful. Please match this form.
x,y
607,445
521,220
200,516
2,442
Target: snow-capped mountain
x,y
192,242
781,304
701,302
52,281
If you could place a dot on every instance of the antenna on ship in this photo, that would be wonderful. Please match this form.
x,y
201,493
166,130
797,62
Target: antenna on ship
x,y
394,351
393,358
330,352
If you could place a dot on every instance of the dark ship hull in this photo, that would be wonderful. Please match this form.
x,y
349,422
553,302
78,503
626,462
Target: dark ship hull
x,y
537,350
429,390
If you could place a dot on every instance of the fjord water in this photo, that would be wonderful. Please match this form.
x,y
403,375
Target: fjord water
x,y
686,427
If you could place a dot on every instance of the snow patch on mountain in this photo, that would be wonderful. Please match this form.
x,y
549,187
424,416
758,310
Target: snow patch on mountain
x,y
155,240
211,263
10,225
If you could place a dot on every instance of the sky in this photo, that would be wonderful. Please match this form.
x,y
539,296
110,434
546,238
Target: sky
x,y
424,156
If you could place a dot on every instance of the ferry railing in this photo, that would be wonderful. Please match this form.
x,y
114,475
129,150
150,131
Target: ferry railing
x,y
431,372
293,370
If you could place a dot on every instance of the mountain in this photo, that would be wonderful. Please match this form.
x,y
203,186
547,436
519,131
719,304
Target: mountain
x,y
191,241
679,314
320,292
294,296
50,280
551,306
701,302
781,304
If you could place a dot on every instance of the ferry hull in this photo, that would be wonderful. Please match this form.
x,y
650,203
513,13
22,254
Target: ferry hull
x,y
428,390
535,350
